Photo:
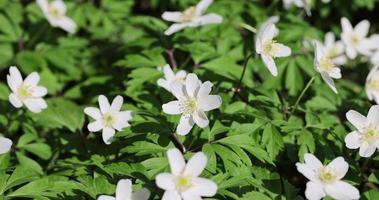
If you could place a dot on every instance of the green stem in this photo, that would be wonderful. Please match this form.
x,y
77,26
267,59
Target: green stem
x,y
302,94
238,88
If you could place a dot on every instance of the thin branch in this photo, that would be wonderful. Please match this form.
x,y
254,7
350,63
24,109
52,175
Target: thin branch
x,y
238,88
178,143
170,53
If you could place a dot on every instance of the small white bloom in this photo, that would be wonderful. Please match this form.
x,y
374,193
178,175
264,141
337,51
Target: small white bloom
x,y
184,182
326,67
297,3
108,118
170,77
326,180
191,17
193,101
5,145
366,137
268,48
334,49
355,39
26,92
372,84
55,13
124,192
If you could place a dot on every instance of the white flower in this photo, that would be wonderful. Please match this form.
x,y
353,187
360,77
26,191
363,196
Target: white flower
x,y
55,13
355,39
297,3
374,57
170,77
366,137
5,145
26,92
183,182
191,17
269,48
334,49
193,101
108,118
326,180
326,67
372,84
124,192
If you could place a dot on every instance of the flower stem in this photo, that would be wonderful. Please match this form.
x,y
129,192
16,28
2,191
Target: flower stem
x,y
238,88
178,143
301,95
170,53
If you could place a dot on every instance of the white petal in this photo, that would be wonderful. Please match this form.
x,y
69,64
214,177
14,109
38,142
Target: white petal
x,y
335,73
15,101
66,24
32,79
211,18
196,165
312,161
373,114
329,39
192,84
352,140
189,195
108,134
210,102
329,81
342,191
95,126
346,25
171,195
178,90
185,125
357,119
176,161
171,108
340,165
200,118
165,84
5,145
270,64
351,52
362,28
175,28
306,171
105,197
104,104
314,191
124,189
283,51
122,120
269,32
14,78
59,5
165,181
367,150
93,112
35,104
172,16
202,187
168,73
202,6
204,90
39,91
181,74
43,4
143,194
117,104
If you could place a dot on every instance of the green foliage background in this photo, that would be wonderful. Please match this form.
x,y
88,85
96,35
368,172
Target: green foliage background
x,y
252,142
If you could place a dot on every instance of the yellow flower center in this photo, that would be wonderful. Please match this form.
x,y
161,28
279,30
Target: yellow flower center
x,y
373,84
326,64
355,39
24,92
370,135
333,52
327,176
189,14
108,119
188,106
270,48
183,183
55,12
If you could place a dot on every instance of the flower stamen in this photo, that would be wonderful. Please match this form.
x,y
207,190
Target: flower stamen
x,y
189,14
